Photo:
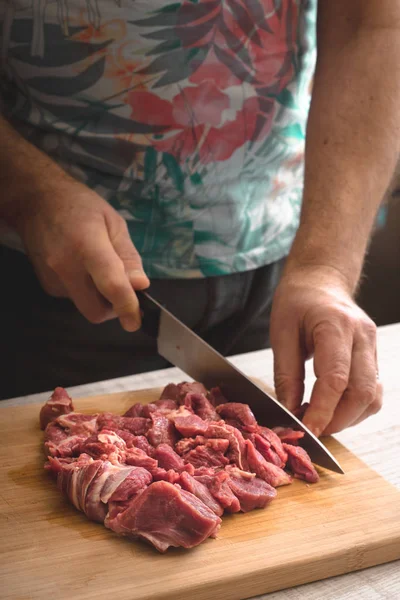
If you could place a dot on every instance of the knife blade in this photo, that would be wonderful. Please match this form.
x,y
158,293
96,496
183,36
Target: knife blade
x,y
183,348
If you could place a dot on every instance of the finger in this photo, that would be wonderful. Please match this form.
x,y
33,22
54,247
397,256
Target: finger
x,y
50,282
373,408
108,273
288,365
362,387
332,358
85,296
131,259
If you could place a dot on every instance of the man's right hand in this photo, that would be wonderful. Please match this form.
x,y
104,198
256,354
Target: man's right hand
x,y
80,248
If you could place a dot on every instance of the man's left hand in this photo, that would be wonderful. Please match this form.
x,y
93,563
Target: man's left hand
x,y
314,314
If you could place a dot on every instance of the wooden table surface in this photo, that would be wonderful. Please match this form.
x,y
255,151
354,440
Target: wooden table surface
x,y
376,442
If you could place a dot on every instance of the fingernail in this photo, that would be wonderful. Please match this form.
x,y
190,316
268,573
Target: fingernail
x,y
316,430
137,273
129,323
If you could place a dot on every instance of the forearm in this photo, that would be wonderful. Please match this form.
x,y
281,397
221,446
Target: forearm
x,y
353,142
25,172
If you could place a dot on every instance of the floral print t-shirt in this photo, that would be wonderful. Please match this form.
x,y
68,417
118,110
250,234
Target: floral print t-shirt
x,y
187,116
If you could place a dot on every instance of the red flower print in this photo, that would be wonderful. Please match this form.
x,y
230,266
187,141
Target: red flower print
x,y
195,125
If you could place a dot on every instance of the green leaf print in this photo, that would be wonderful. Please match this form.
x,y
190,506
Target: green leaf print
x,y
286,99
293,131
174,171
150,164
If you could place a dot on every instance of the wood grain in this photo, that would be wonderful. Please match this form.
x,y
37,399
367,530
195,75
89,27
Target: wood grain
x,y
310,532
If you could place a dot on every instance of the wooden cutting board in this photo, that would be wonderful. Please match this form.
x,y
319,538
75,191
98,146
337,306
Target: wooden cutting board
x,y
48,550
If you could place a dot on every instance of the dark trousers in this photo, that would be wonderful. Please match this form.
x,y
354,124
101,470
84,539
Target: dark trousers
x,y
45,341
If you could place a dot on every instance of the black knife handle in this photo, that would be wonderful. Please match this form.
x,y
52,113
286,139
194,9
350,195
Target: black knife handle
x,y
151,314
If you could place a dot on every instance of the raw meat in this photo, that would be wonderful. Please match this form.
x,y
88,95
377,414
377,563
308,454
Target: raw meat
x,y
201,407
165,472
190,425
203,456
58,404
237,444
238,415
217,484
169,459
135,425
266,450
162,431
78,424
251,491
272,474
216,396
190,484
274,441
139,458
300,463
288,435
166,515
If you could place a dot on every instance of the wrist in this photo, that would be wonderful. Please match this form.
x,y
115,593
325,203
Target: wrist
x,y
324,262
27,193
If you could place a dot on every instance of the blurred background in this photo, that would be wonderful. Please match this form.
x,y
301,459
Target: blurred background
x,y
379,292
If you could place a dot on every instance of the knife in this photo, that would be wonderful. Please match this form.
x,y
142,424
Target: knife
x,y
180,346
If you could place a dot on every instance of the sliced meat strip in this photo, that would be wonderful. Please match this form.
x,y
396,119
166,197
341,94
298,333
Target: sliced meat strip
x,y
238,415
69,446
201,406
162,431
270,473
54,433
288,435
217,484
136,410
137,480
165,516
58,404
190,426
251,491
216,444
237,445
75,480
78,424
138,458
190,484
203,456
190,388
115,479
106,445
300,463
94,508
170,392
275,442
135,425
160,474
216,396
168,459
266,450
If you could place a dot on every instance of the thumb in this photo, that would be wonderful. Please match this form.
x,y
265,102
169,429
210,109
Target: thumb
x,y
288,366
127,252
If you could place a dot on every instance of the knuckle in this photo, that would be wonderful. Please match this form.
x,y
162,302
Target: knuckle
x,y
368,327
333,327
114,287
375,406
96,316
285,383
366,394
337,381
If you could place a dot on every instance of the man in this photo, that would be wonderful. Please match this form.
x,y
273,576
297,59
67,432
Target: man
x,y
186,122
